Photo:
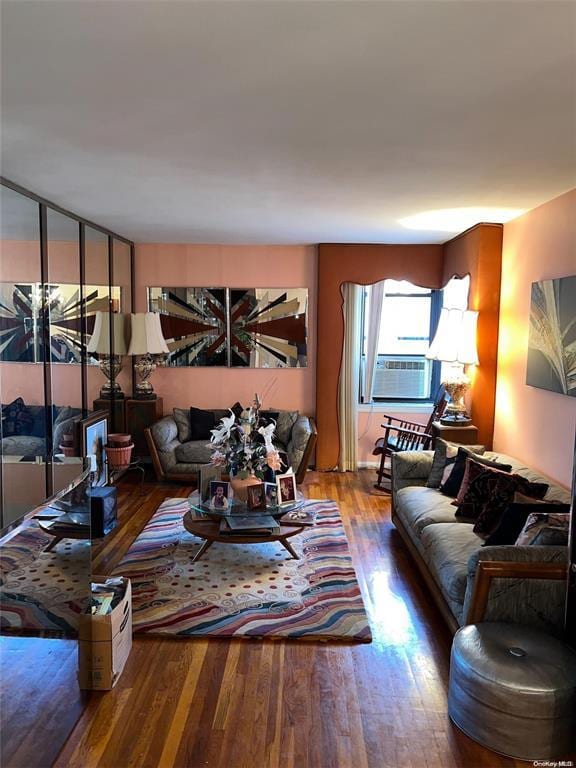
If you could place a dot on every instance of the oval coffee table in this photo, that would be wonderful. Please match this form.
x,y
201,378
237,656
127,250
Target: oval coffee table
x,y
209,530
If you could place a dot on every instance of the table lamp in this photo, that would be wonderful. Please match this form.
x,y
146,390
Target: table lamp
x,y
146,340
109,327
455,343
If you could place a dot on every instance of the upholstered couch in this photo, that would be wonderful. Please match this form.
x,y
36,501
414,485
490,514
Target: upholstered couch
x,y
178,457
24,429
447,551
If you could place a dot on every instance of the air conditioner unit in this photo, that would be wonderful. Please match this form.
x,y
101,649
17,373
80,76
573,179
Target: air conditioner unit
x,y
406,376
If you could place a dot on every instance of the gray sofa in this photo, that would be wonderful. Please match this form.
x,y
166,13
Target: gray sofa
x,y
176,457
447,551
30,439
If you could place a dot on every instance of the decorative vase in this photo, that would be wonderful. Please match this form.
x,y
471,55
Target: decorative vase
x,y
240,486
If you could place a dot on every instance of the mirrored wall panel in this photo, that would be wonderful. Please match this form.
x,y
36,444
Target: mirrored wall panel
x,y
240,328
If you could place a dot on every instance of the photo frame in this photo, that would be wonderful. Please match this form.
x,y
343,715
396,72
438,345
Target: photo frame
x,y
271,493
286,489
220,495
92,437
206,474
256,496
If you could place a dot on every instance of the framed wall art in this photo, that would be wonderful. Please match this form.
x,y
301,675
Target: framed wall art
x,y
233,327
552,341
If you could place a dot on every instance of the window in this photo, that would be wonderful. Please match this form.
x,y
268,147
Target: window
x,y
408,320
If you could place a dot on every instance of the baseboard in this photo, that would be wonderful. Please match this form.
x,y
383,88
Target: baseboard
x,y
368,464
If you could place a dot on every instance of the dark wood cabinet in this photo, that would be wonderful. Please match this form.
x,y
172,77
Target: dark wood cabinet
x,y
117,412
139,415
453,434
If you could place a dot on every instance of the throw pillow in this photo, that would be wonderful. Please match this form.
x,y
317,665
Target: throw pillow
x,y
501,492
284,424
182,419
444,451
453,475
515,515
201,422
16,419
545,529
237,409
267,416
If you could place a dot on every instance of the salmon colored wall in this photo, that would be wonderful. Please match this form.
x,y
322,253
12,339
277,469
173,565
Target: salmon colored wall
x,y
232,266
533,424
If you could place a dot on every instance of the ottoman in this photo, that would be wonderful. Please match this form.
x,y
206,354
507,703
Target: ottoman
x,y
513,689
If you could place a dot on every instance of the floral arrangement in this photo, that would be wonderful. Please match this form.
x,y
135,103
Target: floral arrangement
x,y
243,446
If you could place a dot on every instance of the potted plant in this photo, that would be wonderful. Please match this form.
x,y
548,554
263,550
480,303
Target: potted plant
x,y
245,449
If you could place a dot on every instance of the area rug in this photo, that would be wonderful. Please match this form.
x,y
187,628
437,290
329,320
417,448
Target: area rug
x,y
42,591
245,590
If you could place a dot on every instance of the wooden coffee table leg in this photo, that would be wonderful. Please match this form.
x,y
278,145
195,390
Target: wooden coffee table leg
x,y
286,544
52,544
207,544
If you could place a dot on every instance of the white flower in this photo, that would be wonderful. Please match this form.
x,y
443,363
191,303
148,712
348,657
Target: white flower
x,y
267,433
222,431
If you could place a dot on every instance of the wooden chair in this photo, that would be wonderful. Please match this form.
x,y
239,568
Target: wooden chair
x,y
403,435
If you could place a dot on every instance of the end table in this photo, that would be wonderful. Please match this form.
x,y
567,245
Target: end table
x,y
467,435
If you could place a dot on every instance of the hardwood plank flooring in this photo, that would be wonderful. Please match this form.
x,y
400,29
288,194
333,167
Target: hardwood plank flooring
x,y
287,704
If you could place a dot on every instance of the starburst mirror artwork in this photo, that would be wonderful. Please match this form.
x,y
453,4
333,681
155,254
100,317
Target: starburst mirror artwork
x,y
552,340
23,309
233,327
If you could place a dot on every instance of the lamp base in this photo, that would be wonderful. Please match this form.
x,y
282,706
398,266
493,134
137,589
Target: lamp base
x,y
144,368
110,365
456,420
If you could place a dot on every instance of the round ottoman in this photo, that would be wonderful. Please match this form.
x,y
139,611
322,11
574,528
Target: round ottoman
x,y
513,689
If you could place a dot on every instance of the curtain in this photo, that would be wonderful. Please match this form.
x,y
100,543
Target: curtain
x,y
372,326
350,378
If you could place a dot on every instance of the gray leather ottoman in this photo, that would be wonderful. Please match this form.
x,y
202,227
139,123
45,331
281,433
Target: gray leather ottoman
x,y
513,689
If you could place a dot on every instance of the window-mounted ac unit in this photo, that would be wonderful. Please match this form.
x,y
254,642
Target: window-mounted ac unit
x,y
402,376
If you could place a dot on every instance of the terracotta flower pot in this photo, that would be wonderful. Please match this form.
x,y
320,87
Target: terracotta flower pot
x,y
119,439
240,486
118,457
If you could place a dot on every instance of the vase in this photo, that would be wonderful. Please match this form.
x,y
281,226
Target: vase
x,y
240,486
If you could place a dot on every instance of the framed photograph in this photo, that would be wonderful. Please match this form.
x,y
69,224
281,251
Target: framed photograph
x,y
256,496
206,474
220,495
271,492
286,485
93,436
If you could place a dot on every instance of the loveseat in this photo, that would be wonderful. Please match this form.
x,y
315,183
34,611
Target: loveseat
x,y
447,551
178,455
24,428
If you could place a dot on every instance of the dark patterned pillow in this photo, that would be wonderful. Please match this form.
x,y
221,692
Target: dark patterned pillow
x,y
545,529
16,419
445,455
515,515
503,493
237,409
478,487
452,481
201,422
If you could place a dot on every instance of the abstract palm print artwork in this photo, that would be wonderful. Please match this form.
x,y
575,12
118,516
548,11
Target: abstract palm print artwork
x,y
233,327
552,341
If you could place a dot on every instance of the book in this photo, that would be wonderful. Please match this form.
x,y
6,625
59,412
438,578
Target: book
x,y
250,522
266,531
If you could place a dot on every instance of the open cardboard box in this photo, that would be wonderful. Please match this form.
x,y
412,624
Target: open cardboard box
x,y
105,643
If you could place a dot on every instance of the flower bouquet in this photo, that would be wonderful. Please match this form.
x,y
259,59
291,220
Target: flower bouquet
x,y
244,447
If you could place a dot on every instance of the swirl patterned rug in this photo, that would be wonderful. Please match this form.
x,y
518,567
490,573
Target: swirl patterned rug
x,y
241,590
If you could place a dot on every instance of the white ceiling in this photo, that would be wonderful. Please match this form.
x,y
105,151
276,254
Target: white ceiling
x,y
287,122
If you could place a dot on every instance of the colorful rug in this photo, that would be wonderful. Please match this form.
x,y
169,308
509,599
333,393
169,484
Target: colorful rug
x,y
238,590
42,591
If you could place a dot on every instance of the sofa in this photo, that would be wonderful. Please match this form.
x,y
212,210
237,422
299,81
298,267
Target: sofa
x,y
176,455
24,428
448,552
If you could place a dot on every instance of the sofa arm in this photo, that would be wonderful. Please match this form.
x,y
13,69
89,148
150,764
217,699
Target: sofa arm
x,y
524,587
410,468
300,446
163,440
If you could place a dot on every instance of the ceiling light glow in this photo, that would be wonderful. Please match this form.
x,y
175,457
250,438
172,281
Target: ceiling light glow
x,y
458,219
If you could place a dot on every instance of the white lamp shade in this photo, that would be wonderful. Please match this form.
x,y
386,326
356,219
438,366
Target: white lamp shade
x,y
100,339
455,339
147,335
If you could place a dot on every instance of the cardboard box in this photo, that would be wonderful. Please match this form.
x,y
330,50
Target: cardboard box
x,y
105,643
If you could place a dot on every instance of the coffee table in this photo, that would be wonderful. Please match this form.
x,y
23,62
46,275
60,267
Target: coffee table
x,y
208,527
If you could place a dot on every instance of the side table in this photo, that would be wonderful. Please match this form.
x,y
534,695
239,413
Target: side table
x,y
139,415
467,435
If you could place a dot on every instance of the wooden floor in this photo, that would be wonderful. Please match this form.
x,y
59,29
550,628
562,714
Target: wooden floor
x,y
282,704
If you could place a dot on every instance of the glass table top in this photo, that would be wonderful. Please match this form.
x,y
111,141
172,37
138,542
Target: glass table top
x,y
237,507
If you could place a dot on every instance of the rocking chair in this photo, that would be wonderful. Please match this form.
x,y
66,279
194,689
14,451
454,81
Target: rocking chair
x,y
403,435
